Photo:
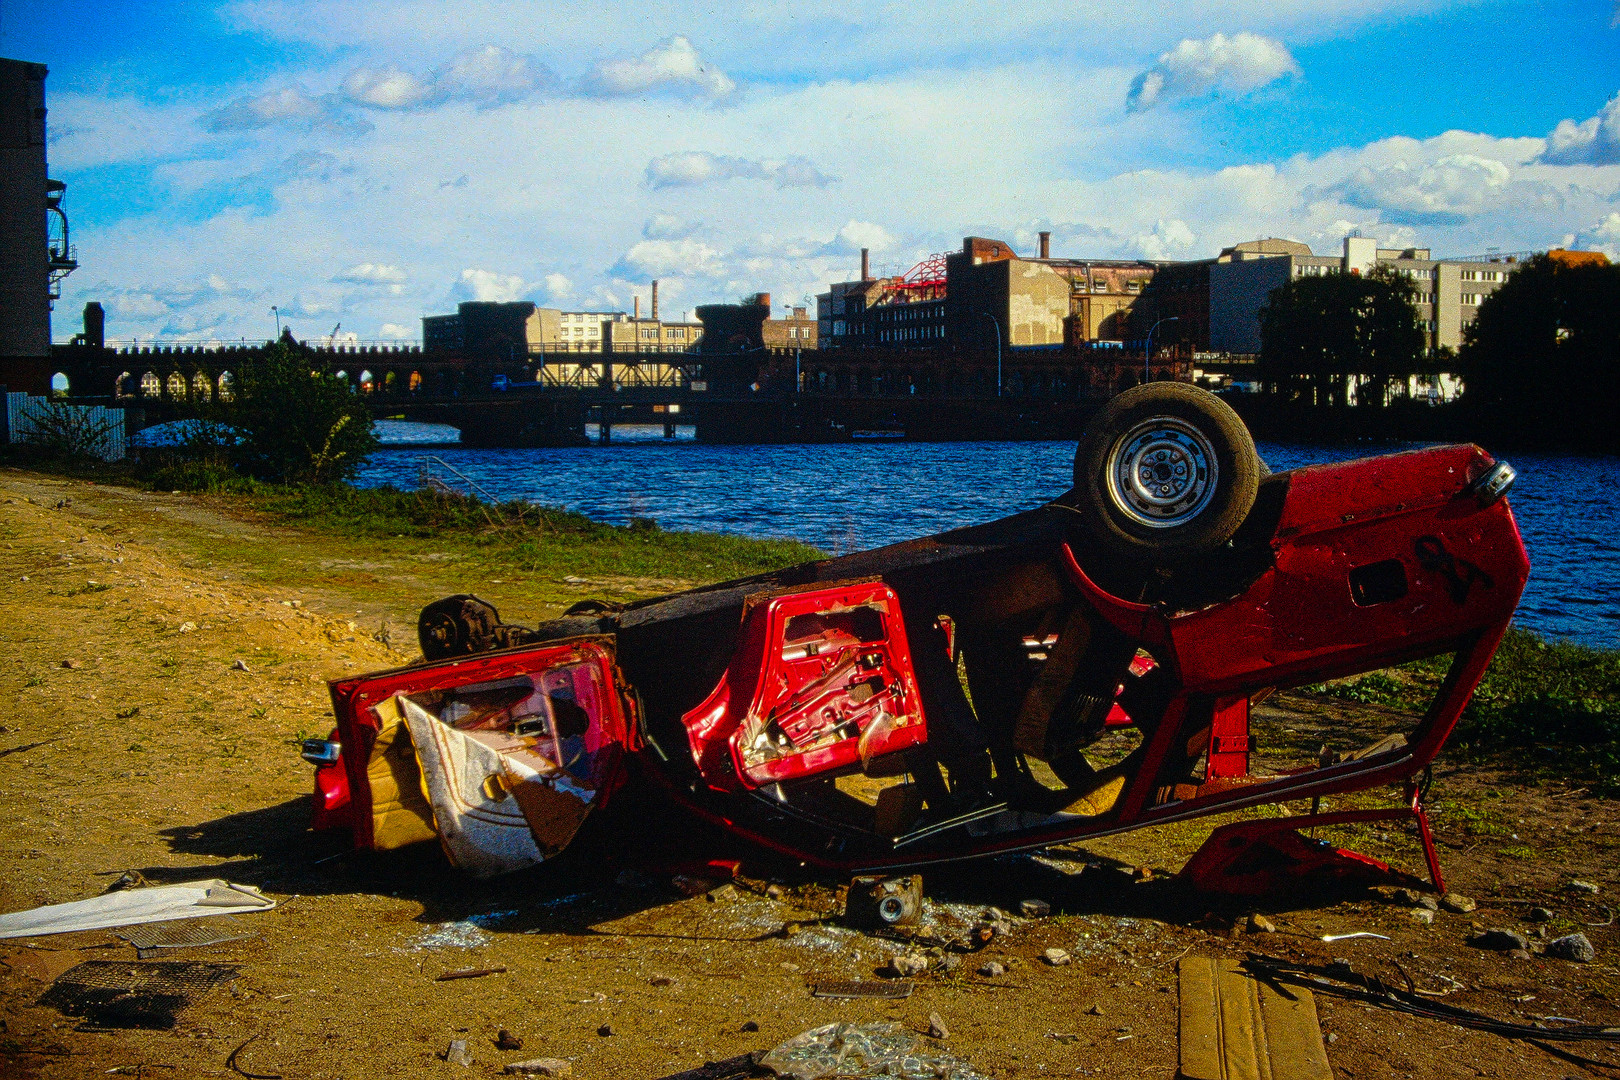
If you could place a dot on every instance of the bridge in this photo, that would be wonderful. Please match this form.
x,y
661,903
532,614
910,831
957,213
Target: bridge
x,y
763,395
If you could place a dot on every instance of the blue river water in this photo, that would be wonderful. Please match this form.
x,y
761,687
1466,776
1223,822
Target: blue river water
x,y
850,496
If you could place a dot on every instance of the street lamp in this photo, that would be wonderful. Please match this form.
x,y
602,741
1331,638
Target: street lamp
x,y
997,325
1147,361
276,311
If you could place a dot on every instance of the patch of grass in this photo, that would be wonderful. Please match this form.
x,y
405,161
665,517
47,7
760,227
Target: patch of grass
x,y
80,590
1520,851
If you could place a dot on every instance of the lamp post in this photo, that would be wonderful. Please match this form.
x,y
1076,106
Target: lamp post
x,y
1147,361
276,311
997,325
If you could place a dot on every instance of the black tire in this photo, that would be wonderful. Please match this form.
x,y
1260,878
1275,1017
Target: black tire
x,y
1165,470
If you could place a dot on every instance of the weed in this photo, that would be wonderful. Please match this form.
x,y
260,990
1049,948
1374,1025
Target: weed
x,y
80,590
33,681
129,713
1520,851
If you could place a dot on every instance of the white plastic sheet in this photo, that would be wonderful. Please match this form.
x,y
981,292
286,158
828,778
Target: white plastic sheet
x,y
131,907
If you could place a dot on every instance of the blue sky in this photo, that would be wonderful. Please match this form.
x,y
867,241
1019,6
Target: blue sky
x,y
364,164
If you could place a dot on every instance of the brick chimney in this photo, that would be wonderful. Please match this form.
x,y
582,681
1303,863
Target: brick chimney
x,y
866,265
637,299
1046,245
655,300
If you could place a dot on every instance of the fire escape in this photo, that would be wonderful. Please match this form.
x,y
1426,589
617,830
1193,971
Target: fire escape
x,y
63,256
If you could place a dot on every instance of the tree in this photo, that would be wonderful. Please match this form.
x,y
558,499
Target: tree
x,y
1542,359
1317,332
295,420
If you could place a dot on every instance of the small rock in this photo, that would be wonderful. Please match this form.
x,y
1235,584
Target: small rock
x,y
775,892
239,665
1457,903
749,1025
992,970
1518,954
1035,909
1143,873
70,664
722,893
788,965
1095,1010
187,627
541,1067
1259,924
1581,886
1332,1037
661,980
1573,947
605,1030
1539,914
1055,957
905,965
936,1027
505,1040
1422,915
1500,940
1414,898
458,1053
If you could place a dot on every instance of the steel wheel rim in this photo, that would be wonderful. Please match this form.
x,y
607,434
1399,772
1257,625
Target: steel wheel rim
x,y
1162,473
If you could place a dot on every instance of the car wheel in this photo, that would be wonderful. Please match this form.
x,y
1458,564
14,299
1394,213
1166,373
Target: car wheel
x,y
1165,470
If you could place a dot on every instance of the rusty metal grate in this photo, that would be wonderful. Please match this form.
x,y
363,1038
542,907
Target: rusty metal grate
x,y
149,938
132,993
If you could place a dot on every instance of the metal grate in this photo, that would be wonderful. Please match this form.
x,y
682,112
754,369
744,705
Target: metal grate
x,y
149,938
132,994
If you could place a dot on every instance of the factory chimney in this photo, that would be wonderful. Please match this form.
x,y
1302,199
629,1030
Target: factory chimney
x,y
1046,245
637,299
95,325
655,300
866,265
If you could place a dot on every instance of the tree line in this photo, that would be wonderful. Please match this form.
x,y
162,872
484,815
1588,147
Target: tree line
x,y
1540,364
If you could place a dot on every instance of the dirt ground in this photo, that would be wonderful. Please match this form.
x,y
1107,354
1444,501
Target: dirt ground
x,y
132,740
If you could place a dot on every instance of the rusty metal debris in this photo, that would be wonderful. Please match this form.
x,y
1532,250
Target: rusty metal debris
x,y
469,973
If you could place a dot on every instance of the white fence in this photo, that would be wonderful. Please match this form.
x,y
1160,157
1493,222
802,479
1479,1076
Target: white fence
x,y
90,429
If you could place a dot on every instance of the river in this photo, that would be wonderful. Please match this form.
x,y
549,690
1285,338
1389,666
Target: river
x,y
846,497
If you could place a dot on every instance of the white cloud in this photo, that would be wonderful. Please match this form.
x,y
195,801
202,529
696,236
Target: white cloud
x,y
861,234
558,286
1449,190
373,274
486,285
1239,63
1604,236
1168,240
291,106
1593,141
397,332
488,75
668,258
696,168
671,66
667,227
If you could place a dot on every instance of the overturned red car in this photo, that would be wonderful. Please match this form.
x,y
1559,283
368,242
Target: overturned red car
x,y
1083,668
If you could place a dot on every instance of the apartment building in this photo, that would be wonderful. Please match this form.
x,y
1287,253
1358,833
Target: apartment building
x,y
1449,291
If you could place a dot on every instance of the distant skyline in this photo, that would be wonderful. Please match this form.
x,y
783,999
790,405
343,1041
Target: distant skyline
x,y
366,163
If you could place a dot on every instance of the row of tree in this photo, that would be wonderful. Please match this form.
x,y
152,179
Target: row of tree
x,y
1540,363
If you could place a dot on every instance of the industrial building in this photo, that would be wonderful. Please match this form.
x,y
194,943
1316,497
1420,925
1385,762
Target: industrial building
x,y
520,330
35,252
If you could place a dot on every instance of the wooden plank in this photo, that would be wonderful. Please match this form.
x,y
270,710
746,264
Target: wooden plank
x,y
1234,1027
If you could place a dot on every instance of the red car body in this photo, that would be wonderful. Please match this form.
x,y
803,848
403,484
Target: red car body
x,y
751,702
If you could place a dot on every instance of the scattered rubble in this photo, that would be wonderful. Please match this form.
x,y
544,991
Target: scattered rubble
x,y
992,970
458,1053
906,965
862,1052
1499,940
936,1027
1457,903
1055,957
1259,924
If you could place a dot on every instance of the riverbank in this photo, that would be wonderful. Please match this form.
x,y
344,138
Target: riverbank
x,y
133,740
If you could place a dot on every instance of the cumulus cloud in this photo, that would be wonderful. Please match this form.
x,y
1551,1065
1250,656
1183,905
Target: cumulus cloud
x,y
669,258
1593,141
1168,240
672,66
698,168
291,106
1444,192
372,274
668,227
1239,63
558,286
397,332
487,285
860,234
488,76
1603,236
